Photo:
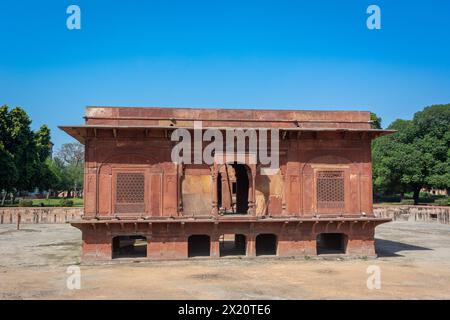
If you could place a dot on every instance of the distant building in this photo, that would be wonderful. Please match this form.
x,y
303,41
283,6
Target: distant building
x,y
437,192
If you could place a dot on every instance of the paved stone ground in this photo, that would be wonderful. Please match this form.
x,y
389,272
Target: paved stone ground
x,y
414,261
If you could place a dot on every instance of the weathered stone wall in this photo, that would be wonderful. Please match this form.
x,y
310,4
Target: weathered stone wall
x,y
414,213
9,215
169,241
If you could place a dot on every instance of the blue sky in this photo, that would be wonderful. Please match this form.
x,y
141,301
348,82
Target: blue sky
x,y
315,55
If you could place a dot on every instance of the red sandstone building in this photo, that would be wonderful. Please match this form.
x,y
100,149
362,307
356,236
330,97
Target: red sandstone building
x,y
140,204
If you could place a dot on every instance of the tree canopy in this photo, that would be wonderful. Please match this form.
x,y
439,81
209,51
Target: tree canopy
x,y
20,148
26,161
376,121
416,156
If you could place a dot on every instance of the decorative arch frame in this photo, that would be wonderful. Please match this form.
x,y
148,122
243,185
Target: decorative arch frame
x,y
131,162
217,168
309,177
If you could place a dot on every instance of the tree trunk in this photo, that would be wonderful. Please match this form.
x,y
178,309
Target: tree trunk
x,y
4,198
416,196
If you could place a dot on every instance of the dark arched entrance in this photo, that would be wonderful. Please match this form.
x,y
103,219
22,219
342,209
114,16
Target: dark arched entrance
x,y
266,244
240,188
199,246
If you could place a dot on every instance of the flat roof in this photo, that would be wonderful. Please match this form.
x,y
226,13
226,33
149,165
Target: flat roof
x,y
80,132
153,118
220,114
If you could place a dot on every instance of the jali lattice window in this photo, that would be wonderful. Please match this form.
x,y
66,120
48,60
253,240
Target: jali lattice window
x,y
130,190
330,190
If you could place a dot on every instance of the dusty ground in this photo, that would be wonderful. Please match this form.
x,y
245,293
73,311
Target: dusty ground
x,y
414,261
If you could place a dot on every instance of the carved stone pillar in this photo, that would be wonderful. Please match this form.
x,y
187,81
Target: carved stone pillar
x,y
251,245
180,170
252,191
227,202
283,192
214,174
215,243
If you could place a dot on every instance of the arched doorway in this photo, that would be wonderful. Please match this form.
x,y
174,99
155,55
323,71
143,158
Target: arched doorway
x,y
232,245
199,246
129,246
233,185
266,244
331,243
240,188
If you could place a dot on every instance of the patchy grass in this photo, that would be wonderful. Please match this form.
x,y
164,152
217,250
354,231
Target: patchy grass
x,y
56,202
52,202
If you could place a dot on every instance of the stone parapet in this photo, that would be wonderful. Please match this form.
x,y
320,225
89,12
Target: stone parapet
x,y
9,215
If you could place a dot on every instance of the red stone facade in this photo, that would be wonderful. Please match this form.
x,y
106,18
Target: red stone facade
x,y
320,201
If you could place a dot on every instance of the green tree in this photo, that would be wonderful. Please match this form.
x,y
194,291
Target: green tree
x,y
23,153
23,148
8,172
388,157
42,178
376,121
433,139
416,156
43,143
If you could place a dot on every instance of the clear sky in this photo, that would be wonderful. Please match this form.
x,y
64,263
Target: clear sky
x,y
315,55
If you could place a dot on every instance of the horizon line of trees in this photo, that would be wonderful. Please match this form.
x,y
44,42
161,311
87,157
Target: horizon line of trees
x,y
26,161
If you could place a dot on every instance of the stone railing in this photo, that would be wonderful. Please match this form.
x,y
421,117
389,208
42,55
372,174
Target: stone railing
x,y
414,213
9,215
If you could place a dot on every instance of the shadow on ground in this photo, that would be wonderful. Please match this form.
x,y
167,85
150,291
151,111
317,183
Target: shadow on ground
x,y
388,248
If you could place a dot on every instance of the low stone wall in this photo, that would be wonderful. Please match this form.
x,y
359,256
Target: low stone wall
x,y
9,215
414,213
